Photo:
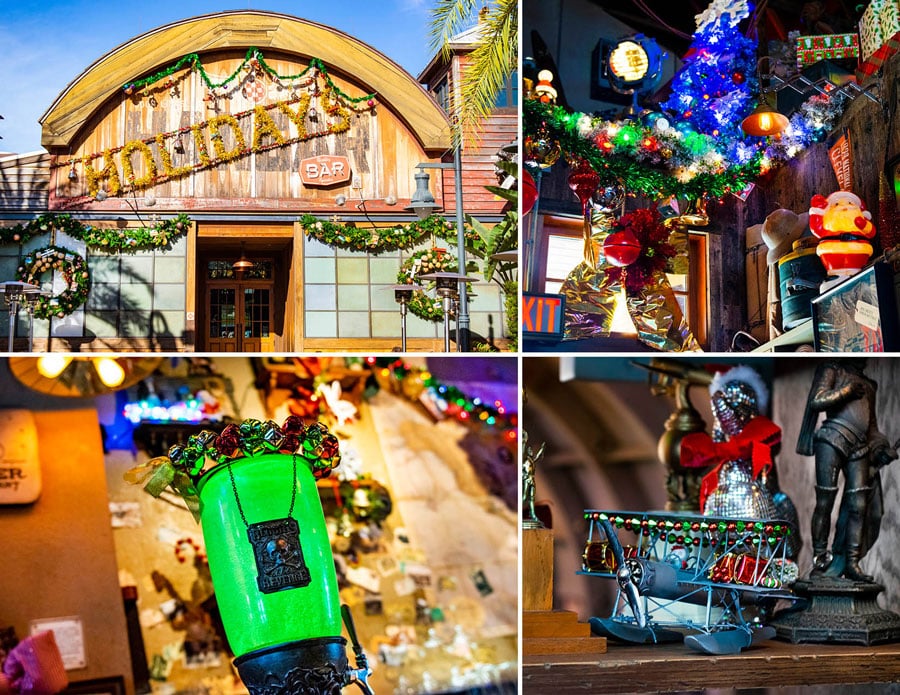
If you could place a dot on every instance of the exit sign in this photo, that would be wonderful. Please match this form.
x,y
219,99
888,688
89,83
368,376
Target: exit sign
x,y
543,316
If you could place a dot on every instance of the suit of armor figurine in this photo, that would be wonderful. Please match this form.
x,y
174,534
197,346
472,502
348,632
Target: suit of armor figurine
x,y
848,440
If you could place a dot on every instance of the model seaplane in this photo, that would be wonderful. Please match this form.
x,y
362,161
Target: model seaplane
x,y
667,559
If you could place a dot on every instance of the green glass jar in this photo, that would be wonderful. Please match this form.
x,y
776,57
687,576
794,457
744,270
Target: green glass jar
x,y
269,590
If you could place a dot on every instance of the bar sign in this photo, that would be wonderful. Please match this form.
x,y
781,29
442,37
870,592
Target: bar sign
x,y
543,315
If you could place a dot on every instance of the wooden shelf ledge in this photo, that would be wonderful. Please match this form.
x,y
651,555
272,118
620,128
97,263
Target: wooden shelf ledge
x,y
674,667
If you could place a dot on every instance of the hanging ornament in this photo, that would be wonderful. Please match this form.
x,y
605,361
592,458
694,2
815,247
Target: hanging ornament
x,y
606,199
527,191
622,248
583,181
541,150
738,77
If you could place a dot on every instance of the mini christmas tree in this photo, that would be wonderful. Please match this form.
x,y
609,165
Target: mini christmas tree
x,y
714,90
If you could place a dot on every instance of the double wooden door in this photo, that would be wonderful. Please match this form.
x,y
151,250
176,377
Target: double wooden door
x,y
239,314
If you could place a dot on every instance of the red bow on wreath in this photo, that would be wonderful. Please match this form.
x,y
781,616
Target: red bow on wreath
x,y
754,443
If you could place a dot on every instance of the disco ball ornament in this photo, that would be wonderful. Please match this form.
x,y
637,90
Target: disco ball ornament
x,y
622,248
541,151
606,199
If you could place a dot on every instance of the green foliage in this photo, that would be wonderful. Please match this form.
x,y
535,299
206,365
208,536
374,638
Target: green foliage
x,y
492,62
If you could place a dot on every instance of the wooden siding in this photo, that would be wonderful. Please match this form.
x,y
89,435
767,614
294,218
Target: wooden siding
x,y
381,149
268,31
23,182
478,169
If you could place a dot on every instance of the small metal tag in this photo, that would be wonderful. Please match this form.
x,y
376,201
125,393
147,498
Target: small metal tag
x,y
279,557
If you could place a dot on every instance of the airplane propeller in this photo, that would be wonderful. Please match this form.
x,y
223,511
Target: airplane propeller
x,y
630,573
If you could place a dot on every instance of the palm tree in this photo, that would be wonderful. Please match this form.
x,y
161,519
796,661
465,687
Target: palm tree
x,y
492,62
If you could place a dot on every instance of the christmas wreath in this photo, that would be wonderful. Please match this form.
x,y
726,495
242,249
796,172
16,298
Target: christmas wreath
x,y
422,262
74,271
647,227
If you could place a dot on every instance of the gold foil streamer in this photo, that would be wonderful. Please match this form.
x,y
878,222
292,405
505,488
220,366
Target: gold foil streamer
x,y
590,294
658,318
590,303
591,299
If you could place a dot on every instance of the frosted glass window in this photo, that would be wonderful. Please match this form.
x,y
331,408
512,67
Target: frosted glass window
x,y
352,271
353,324
320,297
353,297
319,270
321,324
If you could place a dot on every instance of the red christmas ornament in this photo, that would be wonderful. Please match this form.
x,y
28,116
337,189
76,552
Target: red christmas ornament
x,y
650,143
583,181
622,248
527,191
738,77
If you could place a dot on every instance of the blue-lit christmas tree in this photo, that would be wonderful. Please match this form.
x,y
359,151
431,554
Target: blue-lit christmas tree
x,y
714,90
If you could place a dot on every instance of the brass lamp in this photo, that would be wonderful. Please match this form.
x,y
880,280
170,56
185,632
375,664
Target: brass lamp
x,y
764,121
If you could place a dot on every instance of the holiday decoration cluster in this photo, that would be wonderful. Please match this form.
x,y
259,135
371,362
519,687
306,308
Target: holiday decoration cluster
x,y
694,145
249,131
401,377
186,463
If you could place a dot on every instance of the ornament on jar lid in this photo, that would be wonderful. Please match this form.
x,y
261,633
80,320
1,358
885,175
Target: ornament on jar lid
x,y
544,91
844,228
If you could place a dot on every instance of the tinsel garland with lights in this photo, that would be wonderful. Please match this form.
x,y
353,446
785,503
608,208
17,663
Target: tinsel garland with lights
x,y
697,147
253,63
398,376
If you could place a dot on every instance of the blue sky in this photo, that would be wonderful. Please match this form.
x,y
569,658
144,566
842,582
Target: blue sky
x,y
47,44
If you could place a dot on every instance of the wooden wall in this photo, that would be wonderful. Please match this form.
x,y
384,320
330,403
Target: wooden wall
x,y
23,182
58,553
874,141
381,149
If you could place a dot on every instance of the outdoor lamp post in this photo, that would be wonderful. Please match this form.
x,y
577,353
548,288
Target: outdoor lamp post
x,y
448,285
403,293
17,293
422,203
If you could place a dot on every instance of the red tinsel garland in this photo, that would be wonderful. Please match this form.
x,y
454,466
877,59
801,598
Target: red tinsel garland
x,y
647,226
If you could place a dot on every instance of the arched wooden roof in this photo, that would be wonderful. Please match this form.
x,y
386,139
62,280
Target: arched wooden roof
x,y
395,87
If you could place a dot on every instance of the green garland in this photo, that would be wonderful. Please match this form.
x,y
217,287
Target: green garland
x,y
74,270
403,236
253,55
127,240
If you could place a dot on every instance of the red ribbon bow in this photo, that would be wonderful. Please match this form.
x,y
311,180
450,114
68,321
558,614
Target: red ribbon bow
x,y
754,443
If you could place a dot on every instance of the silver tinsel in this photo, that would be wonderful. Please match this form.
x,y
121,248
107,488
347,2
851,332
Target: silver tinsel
x,y
735,402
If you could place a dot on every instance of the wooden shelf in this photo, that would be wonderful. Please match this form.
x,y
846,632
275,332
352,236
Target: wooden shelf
x,y
672,667
799,335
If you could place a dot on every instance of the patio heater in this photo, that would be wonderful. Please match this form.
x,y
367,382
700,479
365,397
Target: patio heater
x,y
447,286
402,295
17,294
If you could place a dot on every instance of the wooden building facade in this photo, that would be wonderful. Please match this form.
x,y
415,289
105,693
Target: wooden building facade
x,y
284,143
